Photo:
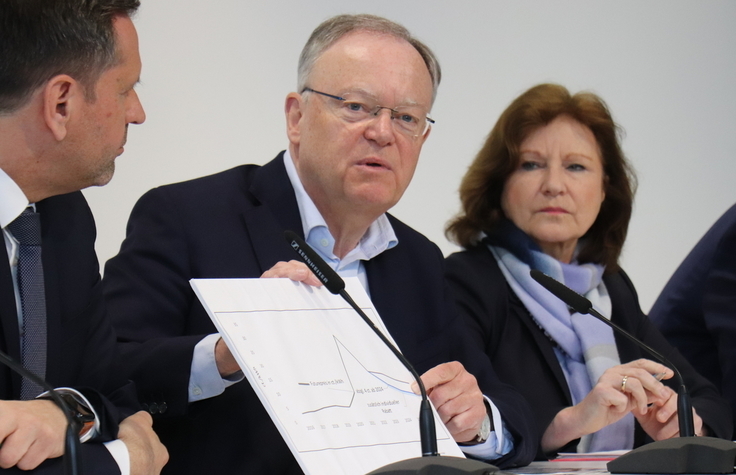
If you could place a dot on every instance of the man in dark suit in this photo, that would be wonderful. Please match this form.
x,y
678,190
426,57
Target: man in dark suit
x,y
355,130
67,71
696,311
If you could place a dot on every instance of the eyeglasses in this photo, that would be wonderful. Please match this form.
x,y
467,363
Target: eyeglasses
x,y
356,107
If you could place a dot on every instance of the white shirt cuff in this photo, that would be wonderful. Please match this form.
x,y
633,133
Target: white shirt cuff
x,y
119,452
499,443
204,379
95,428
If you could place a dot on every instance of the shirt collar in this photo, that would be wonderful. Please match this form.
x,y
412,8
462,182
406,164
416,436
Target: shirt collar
x,y
12,199
379,236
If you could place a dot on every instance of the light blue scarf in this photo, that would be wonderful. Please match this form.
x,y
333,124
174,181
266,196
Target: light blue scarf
x,y
585,347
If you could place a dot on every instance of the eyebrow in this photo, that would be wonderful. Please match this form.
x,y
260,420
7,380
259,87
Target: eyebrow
x,y
358,90
577,154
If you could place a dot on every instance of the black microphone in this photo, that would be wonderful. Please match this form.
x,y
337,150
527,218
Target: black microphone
x,y
430,459
318,266
688,454
72,465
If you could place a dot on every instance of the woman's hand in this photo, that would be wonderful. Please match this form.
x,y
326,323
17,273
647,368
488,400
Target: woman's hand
x,y
661,421
620,390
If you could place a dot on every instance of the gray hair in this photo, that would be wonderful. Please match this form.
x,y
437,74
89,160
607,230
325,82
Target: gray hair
x,y
331,30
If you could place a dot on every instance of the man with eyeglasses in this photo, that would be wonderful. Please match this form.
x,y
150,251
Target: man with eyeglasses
x,y
355,131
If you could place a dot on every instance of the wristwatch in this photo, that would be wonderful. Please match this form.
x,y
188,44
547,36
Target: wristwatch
x,y
485,429
83,417
484,432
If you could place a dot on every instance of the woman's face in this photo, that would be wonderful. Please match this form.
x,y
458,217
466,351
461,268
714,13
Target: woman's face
x,y
556,191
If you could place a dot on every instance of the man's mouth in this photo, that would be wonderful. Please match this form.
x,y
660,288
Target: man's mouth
x,y
374,163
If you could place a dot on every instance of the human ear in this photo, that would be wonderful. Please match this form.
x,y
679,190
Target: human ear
x,y
294,112
426,134
61,94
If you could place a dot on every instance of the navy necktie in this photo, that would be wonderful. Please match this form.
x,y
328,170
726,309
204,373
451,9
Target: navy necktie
x,y
27,230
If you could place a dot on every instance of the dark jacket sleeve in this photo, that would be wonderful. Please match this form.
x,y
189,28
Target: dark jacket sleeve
x,y
719,313
696,311
678,312
148,294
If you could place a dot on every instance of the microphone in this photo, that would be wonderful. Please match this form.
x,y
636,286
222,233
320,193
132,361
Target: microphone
x,y
430,459
319,267
687,454
72,464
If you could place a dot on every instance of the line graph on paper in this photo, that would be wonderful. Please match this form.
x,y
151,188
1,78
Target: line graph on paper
x,y
331,396
339,397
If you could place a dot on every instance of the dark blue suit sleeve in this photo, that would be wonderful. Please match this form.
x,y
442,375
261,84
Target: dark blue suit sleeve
x,y
148,297
696,311
719,312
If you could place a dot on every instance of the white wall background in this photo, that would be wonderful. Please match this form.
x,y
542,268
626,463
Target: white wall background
x,y
215,74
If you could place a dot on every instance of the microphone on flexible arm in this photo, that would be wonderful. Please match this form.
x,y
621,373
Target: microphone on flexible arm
x,y
72,465
686,454
430,462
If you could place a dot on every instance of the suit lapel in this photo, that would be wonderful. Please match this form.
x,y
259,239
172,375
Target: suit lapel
x,y
276,211
380,277
386,278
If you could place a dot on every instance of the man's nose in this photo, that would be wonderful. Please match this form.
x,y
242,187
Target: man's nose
x,y
381,127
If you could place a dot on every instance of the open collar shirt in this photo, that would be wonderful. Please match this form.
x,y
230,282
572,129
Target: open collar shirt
x,y
379,237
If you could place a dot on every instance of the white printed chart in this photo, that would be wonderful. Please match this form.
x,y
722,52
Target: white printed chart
x,y
340,398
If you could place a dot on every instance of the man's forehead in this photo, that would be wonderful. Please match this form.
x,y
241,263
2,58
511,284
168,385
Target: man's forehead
x,y
364,60
126,35
127,50
363,43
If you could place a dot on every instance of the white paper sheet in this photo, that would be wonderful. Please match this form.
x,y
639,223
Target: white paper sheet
x,y
338,395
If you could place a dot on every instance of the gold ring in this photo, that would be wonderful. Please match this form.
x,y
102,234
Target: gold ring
x,y
623,384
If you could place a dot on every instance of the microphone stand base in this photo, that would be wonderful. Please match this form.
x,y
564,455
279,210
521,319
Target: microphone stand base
x,y
436,466
679,455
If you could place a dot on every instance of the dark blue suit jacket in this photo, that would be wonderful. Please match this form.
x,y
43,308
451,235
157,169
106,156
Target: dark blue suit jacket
x,y
696,311
81,342
232,225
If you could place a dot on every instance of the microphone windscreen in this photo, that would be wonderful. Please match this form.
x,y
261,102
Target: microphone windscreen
x,y
316,264
573,299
